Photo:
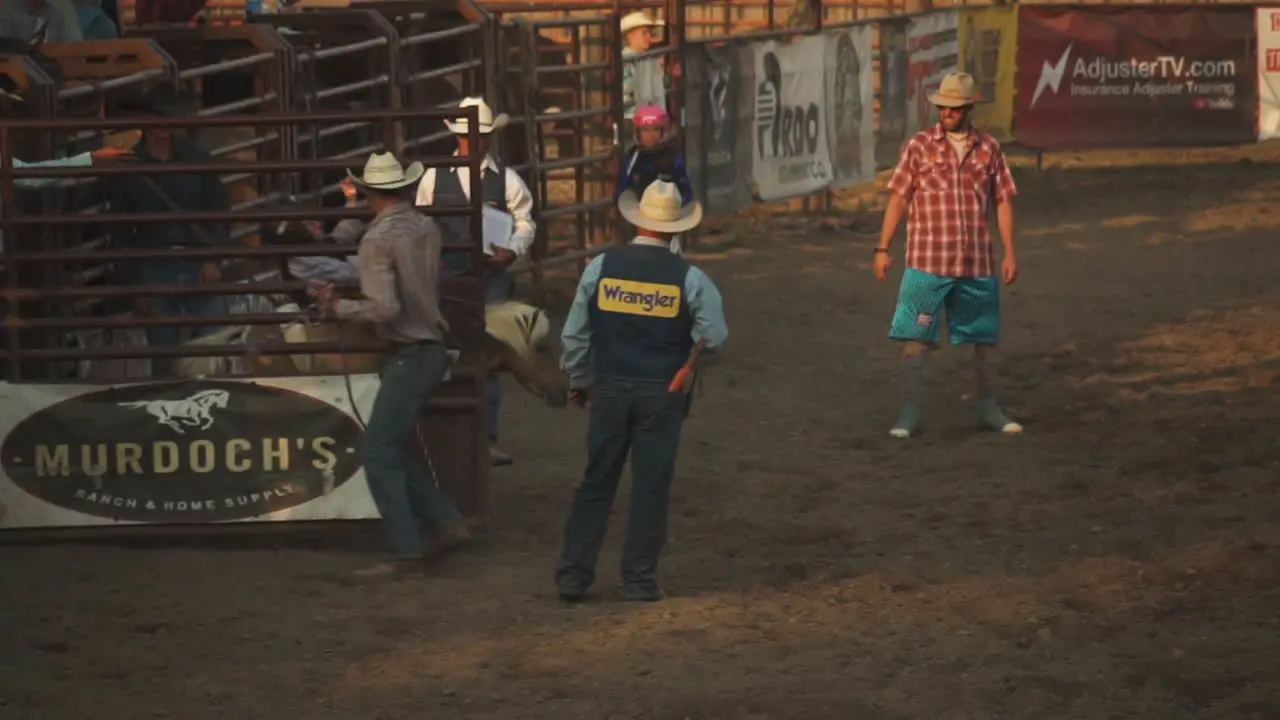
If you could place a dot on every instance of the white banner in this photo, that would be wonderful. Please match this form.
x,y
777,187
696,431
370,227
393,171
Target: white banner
x,y
183,452
850,105
1268,24
933,51
790,155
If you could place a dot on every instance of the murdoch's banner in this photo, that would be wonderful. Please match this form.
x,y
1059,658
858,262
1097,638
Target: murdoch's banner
x,y
1135,77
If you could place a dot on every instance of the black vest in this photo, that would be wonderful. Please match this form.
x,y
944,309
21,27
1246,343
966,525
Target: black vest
x,y
645,166
449,191
640,321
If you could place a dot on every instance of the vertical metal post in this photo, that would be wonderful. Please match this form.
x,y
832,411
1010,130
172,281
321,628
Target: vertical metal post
x,y
10,267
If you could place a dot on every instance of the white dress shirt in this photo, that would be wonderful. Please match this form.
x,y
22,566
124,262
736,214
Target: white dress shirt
x,y
519,203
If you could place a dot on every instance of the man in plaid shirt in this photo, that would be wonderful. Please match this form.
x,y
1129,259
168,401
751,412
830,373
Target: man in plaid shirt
x,y
945,182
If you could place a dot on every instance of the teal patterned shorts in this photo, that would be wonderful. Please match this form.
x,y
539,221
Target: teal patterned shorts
x,y
972,305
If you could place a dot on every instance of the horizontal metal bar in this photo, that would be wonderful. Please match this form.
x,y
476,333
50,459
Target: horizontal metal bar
x,y
223,168
274,287
339,50
575,114
149,121
561,210
561,164
195,254
118,322
652,53
245,144
218,216
444,71
412,40
190,350
333,92
238,105
568,22
558,69
525,265
425,139
244,62
122,81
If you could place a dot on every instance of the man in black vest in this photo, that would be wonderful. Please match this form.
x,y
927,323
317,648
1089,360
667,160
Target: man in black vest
x,y
503,190
638,313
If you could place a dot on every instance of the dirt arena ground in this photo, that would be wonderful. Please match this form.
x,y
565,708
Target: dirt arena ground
x,y
1119,560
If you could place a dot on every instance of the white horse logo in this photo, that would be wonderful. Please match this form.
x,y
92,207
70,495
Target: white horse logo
x,y
189,412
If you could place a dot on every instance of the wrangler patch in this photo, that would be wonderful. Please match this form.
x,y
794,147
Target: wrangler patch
x,y
924,319
637,298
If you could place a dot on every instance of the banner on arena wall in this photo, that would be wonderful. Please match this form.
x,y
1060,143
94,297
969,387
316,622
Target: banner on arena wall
x,y
718,125
988,51
893,91
850,105
182,452
1152,76
933,50
789,155
1268,25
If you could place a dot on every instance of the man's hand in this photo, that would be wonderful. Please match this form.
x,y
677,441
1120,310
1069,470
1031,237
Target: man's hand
x,y
501,258
112,153
882,263
323,295
210,272
315,229
349,190
580,397
1009,269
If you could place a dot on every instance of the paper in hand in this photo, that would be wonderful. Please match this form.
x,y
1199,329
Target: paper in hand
x,y
498,227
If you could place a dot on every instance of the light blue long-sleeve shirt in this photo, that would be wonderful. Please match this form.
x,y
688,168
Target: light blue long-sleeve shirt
x,y
701,295
81,160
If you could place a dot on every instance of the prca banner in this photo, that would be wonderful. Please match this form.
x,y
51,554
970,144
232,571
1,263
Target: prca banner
x,y
988,52
1268,24
850,105
790,155
932,53
718,125
183,452
1154,76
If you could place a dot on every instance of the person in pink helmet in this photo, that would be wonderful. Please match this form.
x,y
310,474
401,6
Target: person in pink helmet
x,y
655,154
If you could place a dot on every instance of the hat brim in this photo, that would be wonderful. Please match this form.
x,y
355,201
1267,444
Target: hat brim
x,y
412,174
460,128
629,206
950,101
647,24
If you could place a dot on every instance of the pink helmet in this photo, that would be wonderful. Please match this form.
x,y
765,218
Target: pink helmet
x,y
650,116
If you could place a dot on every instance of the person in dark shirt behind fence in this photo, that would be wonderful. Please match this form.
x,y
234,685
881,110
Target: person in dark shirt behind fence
x,y
655,156
164,193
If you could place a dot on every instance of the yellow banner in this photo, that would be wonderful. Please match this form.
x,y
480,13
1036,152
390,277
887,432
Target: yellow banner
x,y
989,52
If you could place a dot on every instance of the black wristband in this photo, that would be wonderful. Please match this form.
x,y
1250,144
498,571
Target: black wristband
x,y
882,250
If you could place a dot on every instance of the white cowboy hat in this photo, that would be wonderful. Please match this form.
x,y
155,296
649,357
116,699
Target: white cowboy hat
x,y
956,90
488,123
637,19
661,209
384,172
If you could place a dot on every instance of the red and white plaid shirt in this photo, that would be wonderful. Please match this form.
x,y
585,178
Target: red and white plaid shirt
x,y
950,201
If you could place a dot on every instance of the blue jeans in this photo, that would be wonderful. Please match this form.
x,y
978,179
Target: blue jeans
x,y
497,288
404,491
642,419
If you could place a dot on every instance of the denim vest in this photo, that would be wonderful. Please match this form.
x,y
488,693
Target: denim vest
x,y
641,327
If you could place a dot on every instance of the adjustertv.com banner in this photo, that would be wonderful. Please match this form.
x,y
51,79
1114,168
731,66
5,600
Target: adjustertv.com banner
x,y
1135,77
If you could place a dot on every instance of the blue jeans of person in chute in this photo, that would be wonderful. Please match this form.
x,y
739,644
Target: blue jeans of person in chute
x,y
403,488
641,419
497,289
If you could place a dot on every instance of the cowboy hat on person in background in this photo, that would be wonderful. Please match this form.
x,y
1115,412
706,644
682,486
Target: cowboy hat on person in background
x,y
638,313
383,173
503,190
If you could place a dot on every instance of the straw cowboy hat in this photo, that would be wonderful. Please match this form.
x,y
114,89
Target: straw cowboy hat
x,y
637,19
488,123
661,209
384,172
956,90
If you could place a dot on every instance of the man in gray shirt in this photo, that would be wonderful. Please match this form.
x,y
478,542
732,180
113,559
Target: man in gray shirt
x,y
399,261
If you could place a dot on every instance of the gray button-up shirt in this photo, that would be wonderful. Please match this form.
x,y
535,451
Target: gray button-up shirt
x,y
399,263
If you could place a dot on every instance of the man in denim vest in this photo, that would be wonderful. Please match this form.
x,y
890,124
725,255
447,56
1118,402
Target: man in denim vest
x,y
503,190
640,310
